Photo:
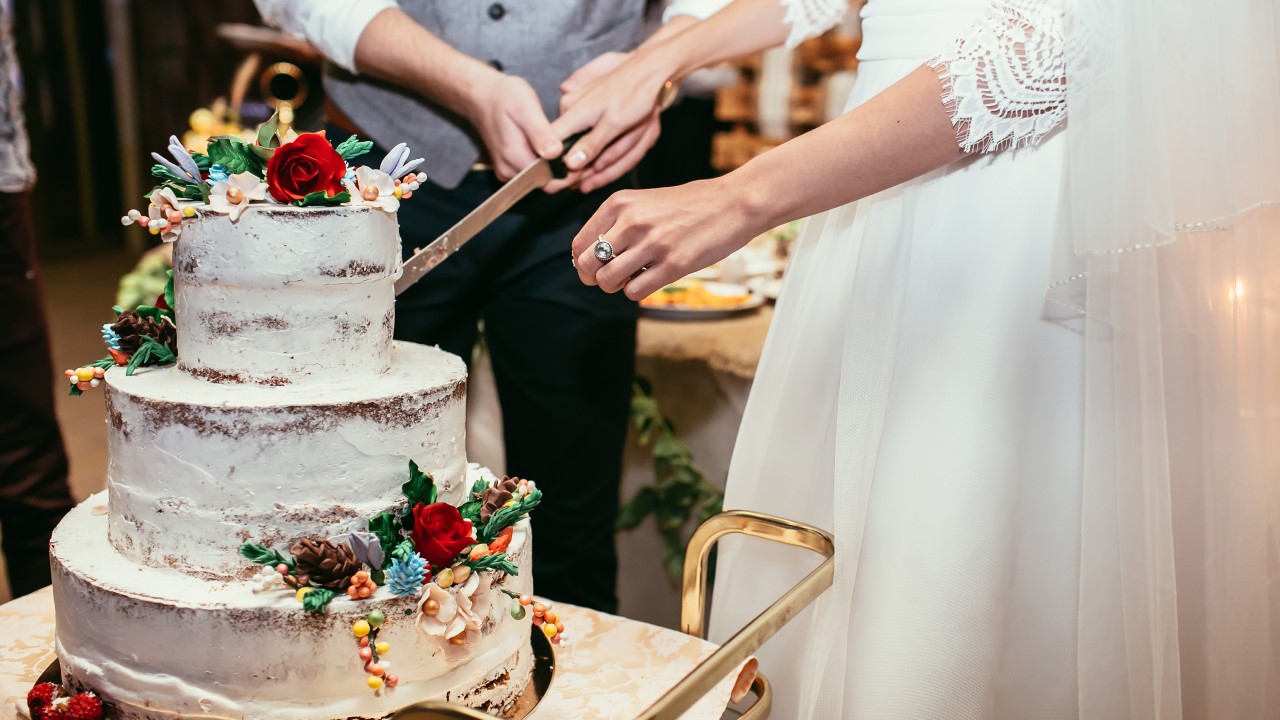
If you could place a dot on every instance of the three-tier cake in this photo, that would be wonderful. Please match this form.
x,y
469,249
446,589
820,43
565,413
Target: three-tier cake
x,y
290,527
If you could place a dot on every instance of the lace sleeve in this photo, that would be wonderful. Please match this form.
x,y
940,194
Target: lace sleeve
x,y
808,18
1004,83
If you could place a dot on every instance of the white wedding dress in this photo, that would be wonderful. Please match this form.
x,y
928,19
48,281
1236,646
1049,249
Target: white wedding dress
x,y
919,397
1035,395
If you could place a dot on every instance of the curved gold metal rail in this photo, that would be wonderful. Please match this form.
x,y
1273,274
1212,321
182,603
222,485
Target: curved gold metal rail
x,y
729,657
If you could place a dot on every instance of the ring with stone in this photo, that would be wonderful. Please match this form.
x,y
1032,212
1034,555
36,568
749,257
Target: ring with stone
x,y
603,249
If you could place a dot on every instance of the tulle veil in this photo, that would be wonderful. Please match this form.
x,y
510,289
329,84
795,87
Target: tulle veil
x,y
1174,176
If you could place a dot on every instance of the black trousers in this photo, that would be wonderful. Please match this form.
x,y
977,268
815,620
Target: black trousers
x,y
33,464
563,358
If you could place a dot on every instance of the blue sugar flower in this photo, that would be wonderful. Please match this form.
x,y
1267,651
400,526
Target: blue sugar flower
x,y
110,337
405,577
349,176
218,172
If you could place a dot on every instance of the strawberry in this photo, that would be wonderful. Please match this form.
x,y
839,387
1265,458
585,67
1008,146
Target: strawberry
x,y
85,706
40,698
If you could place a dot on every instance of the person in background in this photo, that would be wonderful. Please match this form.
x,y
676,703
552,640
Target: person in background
x,y
34,494
470,87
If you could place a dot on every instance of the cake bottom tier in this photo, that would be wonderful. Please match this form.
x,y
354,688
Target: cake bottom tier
x,y
155,643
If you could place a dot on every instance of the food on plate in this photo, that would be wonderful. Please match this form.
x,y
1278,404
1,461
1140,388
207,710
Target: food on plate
x,y
695,294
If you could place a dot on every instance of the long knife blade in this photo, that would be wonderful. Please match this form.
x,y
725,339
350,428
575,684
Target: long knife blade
x,y
425,259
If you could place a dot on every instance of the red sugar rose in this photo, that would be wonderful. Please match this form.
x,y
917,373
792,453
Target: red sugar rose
x,y
439,532
306,165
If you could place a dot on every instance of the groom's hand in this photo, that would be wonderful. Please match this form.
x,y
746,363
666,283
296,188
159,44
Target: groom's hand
x,y
622,143
505,110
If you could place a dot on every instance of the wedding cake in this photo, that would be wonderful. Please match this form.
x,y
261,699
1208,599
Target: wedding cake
x,y
290,528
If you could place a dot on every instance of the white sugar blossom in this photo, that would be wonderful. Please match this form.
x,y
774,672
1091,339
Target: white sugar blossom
x,y
233,195
165,215
373,187
397,162
446,622
473,599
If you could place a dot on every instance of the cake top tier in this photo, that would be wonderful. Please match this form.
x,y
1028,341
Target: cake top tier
x,y
286,295
285,261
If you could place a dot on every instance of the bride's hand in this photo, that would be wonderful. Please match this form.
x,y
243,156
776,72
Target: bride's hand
x,y
659,236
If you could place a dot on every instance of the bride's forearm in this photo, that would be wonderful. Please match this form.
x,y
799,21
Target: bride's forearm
x,y
900,134
741,28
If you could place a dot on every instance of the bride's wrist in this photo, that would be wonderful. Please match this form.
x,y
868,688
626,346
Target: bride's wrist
x,y
754,199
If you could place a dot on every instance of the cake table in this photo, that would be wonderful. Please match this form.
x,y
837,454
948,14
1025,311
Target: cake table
x,y
611,670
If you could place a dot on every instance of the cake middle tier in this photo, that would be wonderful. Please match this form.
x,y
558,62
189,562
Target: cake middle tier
x,y
197,468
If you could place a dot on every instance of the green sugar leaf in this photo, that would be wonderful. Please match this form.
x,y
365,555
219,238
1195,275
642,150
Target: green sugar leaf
x,y
263,555
320,199
353,147
236,155
168,291
403,550
420,487
508,516
268,131
496,561
387,527
317,600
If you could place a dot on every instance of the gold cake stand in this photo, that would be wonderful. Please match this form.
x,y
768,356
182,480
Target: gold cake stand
x,y
731,656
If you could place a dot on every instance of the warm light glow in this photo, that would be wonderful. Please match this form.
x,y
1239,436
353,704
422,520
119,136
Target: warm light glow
x,y
1236,292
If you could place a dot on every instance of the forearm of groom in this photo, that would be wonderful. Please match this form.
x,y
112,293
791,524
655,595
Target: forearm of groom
x,y
377,38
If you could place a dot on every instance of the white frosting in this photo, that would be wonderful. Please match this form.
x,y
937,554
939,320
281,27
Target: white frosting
x,y
159,642
198,468
285,294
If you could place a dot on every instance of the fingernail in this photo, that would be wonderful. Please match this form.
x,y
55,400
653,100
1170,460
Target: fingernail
x,y
577,159
550,149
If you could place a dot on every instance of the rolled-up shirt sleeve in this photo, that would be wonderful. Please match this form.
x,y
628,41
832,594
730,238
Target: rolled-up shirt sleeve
x,y
332,26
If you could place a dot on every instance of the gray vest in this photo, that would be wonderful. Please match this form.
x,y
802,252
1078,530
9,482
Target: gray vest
x,y
542,41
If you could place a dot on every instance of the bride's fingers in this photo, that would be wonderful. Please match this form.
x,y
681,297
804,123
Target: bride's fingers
x,y
597,225
618,272
589,265
654,278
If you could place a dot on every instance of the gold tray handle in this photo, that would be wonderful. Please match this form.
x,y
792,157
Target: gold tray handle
x,y
730,656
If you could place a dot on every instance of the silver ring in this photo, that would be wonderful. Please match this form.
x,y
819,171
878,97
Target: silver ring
x,y
573,260
603,249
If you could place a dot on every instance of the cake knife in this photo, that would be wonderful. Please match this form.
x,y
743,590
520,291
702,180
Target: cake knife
x,y
535,175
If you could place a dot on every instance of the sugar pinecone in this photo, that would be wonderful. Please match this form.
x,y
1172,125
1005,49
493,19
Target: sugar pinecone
x,y
131,326
328,564
495,497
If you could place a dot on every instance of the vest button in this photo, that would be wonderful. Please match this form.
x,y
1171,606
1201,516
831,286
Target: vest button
x,y
496,11
496,65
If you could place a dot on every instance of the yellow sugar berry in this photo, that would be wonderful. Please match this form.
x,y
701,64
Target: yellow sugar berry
x,y
549,630
375,682
396,192
84,374
189,211
360,628
302,593
383,648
